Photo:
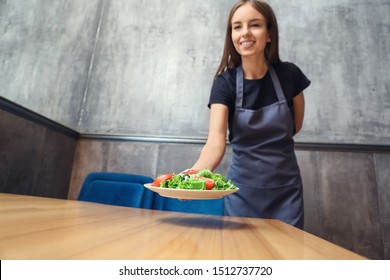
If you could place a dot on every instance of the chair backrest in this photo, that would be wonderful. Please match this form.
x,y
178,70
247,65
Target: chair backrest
x,y
209,207
117,189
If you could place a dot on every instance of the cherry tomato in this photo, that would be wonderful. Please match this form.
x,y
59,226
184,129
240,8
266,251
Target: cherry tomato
x,y
161,178
209,183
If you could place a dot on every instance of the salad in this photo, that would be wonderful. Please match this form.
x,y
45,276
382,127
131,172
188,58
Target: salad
x,y
202,179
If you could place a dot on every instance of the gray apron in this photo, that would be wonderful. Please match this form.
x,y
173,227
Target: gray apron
x,y
264,165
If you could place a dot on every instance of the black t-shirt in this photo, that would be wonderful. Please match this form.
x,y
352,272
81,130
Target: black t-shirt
x,y
260,92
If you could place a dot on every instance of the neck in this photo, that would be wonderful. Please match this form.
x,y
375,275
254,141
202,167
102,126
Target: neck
x,y
254,69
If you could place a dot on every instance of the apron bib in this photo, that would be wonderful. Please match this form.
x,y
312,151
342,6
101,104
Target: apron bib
x,y
264,165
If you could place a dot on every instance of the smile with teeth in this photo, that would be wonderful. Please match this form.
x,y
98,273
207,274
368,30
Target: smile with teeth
x,y
247,43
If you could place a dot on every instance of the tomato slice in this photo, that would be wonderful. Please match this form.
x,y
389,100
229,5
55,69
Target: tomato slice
x,y
191,171
161,178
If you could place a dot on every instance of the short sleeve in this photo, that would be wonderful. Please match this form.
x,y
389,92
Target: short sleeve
x,y
221,92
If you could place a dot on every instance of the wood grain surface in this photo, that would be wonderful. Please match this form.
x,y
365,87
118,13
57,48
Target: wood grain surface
x,y
45,228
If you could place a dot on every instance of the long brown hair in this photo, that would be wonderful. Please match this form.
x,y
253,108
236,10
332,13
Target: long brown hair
x,y
231,58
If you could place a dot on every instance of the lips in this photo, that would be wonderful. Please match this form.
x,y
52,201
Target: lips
x,y
247,43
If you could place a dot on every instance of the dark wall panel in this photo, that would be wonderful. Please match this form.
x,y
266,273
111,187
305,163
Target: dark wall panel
x,y
349,202
112,156
308,162
382,168
34,160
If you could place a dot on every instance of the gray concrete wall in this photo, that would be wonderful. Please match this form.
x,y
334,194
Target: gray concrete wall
x,y
343,46
145,67
45,53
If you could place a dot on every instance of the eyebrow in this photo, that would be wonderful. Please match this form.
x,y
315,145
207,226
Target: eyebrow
x,y
252,20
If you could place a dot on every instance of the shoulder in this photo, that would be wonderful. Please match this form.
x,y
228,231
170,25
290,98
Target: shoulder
x,y
229,75
291,76
287,69
226,80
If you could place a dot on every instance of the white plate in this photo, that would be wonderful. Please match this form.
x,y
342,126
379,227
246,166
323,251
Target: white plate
x,y
190,194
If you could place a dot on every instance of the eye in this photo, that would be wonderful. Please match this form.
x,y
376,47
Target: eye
x,y
236,27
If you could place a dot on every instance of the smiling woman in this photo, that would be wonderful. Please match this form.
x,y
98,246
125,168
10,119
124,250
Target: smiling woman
x,y
259,99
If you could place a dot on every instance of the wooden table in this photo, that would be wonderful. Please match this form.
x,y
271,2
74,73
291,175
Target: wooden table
x,y
45,228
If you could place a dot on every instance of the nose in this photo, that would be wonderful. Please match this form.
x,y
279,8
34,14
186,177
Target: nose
x,y
245,32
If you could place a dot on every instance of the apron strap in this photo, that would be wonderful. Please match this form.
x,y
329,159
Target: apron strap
x,y
275,81
239,86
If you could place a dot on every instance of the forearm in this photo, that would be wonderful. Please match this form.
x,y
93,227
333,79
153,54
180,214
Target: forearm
x,y
210,156
214,149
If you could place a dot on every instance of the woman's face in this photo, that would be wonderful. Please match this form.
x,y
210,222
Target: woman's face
x,y
249,32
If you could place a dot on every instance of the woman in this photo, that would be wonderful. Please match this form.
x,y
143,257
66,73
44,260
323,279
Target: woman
x,y
260,100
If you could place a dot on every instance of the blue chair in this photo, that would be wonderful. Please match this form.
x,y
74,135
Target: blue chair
x,y
209,207
117,189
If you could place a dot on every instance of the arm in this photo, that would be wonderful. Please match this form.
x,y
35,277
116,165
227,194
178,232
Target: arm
x,y
214,149
299,111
